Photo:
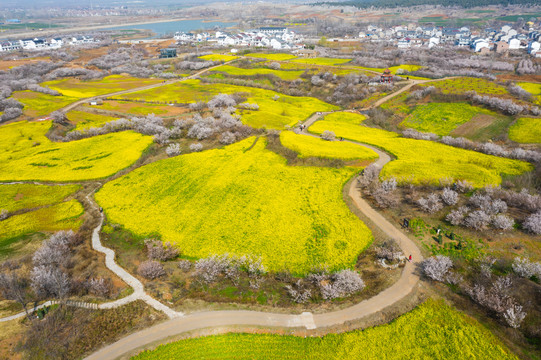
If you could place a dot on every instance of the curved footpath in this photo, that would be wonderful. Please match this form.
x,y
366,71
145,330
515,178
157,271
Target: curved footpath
x,y
206,319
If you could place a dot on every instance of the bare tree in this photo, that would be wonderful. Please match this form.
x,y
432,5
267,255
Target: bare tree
x,y
158,251
328,135
430,204
436,267
533,223
150,269
50,282
449,196
514,315
15,287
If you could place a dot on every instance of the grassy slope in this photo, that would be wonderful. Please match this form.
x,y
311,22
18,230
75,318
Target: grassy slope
x,y
26,154
431,331
224,201
307,146
421,161
442,118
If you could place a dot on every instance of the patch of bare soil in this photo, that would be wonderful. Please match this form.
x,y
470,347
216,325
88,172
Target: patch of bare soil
x,y
478,122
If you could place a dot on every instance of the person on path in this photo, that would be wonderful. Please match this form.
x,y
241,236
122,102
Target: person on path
x,y
409,259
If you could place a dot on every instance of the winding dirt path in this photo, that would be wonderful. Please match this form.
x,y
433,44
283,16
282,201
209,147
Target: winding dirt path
x,y
180,323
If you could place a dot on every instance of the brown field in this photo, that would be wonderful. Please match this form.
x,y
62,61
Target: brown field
x,y
8,64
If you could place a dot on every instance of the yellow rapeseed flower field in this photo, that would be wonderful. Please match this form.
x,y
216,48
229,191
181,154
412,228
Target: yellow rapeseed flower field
x,y
308,146
282,74
431,331
62,216
218,57
422,161
82,89
526,131
27,154
85,120
15,197
242,201
275,110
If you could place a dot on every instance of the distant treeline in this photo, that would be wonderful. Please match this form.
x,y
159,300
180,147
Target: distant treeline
x,y
407,3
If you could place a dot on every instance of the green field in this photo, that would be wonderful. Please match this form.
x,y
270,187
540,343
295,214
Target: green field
x,y
321,61
62,216
82,89
526,131
219,57
15,197
286,110
38,104
463,84
27,154
282,74
431,331
225,201
84,120
421,161
272,57
442,118
307,146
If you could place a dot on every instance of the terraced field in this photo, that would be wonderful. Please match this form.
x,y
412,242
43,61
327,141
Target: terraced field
x,y
38,104
82,89
224,201
282,74
420,161
26,154
15,197
431,331
526,131
307,146
442,118
285,110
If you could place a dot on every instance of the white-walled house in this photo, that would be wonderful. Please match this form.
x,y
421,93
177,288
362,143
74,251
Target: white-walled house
x,y
514,44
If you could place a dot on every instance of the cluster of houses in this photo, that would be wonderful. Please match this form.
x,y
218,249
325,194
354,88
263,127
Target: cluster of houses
x,y
502,40
278,38
43,44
